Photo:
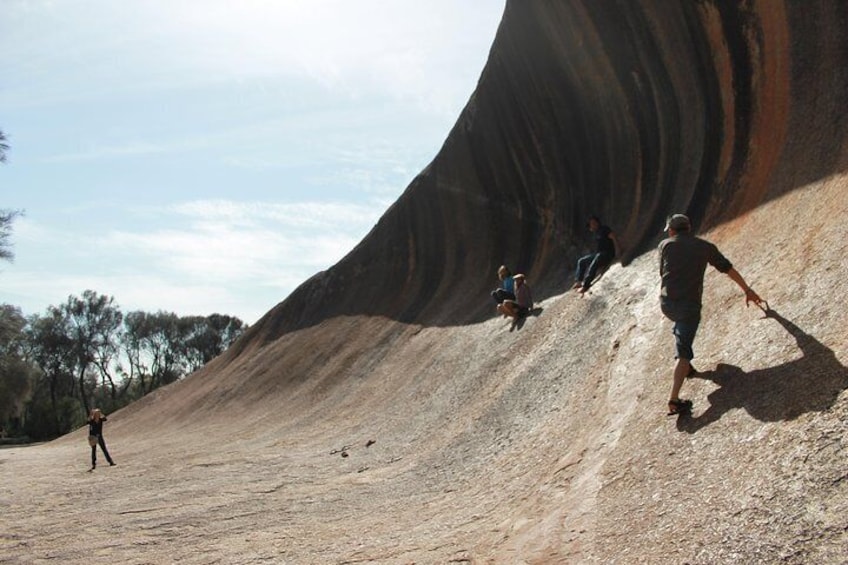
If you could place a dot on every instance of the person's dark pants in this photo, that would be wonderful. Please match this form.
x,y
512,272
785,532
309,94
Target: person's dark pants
x,y
588,267
105,452
500,295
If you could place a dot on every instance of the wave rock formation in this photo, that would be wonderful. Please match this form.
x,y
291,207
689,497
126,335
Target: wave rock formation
x,y
628,110
383,414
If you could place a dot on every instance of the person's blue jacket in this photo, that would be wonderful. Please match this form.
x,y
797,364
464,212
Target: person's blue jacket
x,y
509,285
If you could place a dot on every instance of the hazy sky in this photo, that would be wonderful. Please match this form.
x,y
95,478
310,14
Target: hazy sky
x,y
202,156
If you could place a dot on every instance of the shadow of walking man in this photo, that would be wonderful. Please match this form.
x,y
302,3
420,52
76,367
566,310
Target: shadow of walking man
x,y
781,393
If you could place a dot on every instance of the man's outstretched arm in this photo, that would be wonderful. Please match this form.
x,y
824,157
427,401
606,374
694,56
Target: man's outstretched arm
x,y
750,295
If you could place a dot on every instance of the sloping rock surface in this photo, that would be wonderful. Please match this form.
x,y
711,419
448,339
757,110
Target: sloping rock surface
x,y
381,414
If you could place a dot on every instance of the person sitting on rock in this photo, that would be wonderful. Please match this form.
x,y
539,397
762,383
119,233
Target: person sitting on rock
x,y
523,302
606,249
506,290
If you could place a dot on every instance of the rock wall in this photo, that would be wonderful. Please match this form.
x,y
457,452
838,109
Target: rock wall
x,y
627,109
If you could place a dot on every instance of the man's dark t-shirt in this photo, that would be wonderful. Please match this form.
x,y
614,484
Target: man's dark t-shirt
x,y
606,247
683,261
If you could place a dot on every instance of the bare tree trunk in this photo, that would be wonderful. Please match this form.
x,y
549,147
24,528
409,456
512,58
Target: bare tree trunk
x,y
83,395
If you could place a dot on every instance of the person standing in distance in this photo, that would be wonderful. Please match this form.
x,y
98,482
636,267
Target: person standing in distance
x,y
95,436
683,261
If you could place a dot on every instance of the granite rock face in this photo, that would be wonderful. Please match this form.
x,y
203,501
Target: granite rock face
x,y
628,110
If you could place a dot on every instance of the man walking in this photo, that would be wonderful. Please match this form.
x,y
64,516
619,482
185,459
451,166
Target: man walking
x,y
683,261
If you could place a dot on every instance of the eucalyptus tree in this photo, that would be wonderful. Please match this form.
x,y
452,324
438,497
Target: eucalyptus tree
x,y
15,372
7,218
153,347
94,325
204,338
52,350
4,147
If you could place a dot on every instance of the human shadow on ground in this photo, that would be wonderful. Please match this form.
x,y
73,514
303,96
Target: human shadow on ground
x,y
518,323
781,393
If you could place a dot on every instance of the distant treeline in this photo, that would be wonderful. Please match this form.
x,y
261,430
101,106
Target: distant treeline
x,y
86,353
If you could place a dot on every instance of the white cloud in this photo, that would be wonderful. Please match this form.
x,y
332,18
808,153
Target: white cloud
x,y
232,241
326,217
208,252
398,49
96,153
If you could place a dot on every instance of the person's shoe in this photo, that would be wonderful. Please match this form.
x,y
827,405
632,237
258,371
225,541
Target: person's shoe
x,y
679,406
112,463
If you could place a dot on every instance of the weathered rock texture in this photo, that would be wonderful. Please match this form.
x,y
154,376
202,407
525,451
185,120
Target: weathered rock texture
x,y
548,443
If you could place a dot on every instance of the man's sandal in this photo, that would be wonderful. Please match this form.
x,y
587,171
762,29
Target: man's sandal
x,y
679,407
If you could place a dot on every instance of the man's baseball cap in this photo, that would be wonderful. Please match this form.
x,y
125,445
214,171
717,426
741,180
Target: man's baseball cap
x,y
678,222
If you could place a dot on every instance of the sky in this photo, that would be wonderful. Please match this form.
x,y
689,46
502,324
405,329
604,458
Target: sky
x,y
208,156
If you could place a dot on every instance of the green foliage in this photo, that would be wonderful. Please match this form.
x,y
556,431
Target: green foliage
x,y
51,349
7,218
153,346
15,378
15,373
93,322
206,338
4,147
87,353
47,418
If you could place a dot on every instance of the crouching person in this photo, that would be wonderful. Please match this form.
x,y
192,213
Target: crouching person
x,y
506,287
523,302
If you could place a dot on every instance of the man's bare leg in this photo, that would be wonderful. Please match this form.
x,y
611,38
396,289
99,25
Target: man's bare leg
x,y
681,371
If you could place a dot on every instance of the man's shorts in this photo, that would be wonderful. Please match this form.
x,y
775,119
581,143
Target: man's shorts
x,y
684,335
686,317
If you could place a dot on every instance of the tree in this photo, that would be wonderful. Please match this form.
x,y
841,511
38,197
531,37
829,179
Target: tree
x,y
207,337
4,147
86,351
7,217
52,350
153,347
93,322
75,346
15,372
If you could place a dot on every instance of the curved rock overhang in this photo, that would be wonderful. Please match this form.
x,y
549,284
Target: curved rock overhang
x,y
628,110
